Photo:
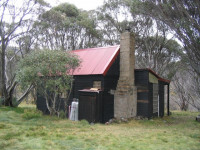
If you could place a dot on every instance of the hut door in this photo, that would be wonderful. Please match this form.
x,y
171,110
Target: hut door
x,y
87,105
155,98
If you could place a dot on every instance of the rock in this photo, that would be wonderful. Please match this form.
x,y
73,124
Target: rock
x,y
107,123
114,120
92,123
124,120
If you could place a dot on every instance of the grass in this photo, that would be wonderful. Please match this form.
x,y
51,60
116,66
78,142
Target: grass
x,y
26,128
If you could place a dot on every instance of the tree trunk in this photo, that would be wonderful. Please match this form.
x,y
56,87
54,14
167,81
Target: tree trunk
x,y
28,90
51,110
3,77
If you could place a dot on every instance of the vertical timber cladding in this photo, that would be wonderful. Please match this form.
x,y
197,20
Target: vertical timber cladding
x,y
142,82
87,108
155,100
90,105
41,104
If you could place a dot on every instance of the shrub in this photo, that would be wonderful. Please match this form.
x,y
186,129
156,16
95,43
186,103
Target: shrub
x,y
62,114
2,126
14,102
1,101
84,122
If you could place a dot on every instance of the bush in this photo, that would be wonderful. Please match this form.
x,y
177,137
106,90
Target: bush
x,y
1,101
62,114
31,114
14,102
84,122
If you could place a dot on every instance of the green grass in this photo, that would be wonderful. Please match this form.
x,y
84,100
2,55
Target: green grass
x,y
25,128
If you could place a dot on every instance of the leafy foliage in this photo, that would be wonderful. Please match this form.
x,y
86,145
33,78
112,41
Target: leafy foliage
x,y
179,131
66,27
13,25
182,16
51,72
31,114
159,54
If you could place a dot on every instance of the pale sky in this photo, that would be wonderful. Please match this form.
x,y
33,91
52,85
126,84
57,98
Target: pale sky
x,y
81,4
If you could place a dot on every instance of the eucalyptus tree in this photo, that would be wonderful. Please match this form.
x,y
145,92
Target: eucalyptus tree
x,y
182,16
66,27
51,72
14,22
185,88
114,17
159,54
153,49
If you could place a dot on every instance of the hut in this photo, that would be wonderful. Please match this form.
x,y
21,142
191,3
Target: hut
x,y
108,85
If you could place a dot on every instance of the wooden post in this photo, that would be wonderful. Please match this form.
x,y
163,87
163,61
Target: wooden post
x,y
168,100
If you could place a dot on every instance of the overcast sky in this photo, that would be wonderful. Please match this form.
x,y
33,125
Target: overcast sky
x,y
83,4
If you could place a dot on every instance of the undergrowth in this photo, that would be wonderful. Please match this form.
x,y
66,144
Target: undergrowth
x,y
26,128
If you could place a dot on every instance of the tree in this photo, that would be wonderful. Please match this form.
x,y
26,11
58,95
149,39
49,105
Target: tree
x,y
14,23
153,49
182,16
185,88
51,72
66,27
159,54
114,17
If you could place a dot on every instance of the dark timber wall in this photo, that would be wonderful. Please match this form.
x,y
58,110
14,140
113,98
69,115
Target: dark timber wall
x,y
146,94
90,105
41,104
142,83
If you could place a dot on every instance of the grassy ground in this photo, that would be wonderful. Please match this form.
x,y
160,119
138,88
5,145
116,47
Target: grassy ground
x,y
25,128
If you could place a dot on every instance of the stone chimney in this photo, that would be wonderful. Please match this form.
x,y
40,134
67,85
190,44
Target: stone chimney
x,y
125,98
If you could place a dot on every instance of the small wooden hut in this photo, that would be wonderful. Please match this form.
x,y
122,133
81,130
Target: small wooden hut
x,y
100,69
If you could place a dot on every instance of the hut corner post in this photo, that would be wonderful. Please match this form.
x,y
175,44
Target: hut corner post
x,y
168,112
125,97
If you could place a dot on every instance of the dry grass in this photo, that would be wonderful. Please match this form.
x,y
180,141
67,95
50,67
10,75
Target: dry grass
x,y
26,128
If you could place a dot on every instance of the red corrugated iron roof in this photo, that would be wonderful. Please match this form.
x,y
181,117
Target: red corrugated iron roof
x,y
96,61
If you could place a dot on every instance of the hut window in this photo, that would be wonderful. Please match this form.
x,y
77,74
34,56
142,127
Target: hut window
x,y
97,84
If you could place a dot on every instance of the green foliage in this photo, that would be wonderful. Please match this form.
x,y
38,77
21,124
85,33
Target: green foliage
x,y
62,114
69,10
1,101
179,131
15,102
180,16
48,68
2,126
66,27
159,54
84,122
11,135
50,71
31,114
